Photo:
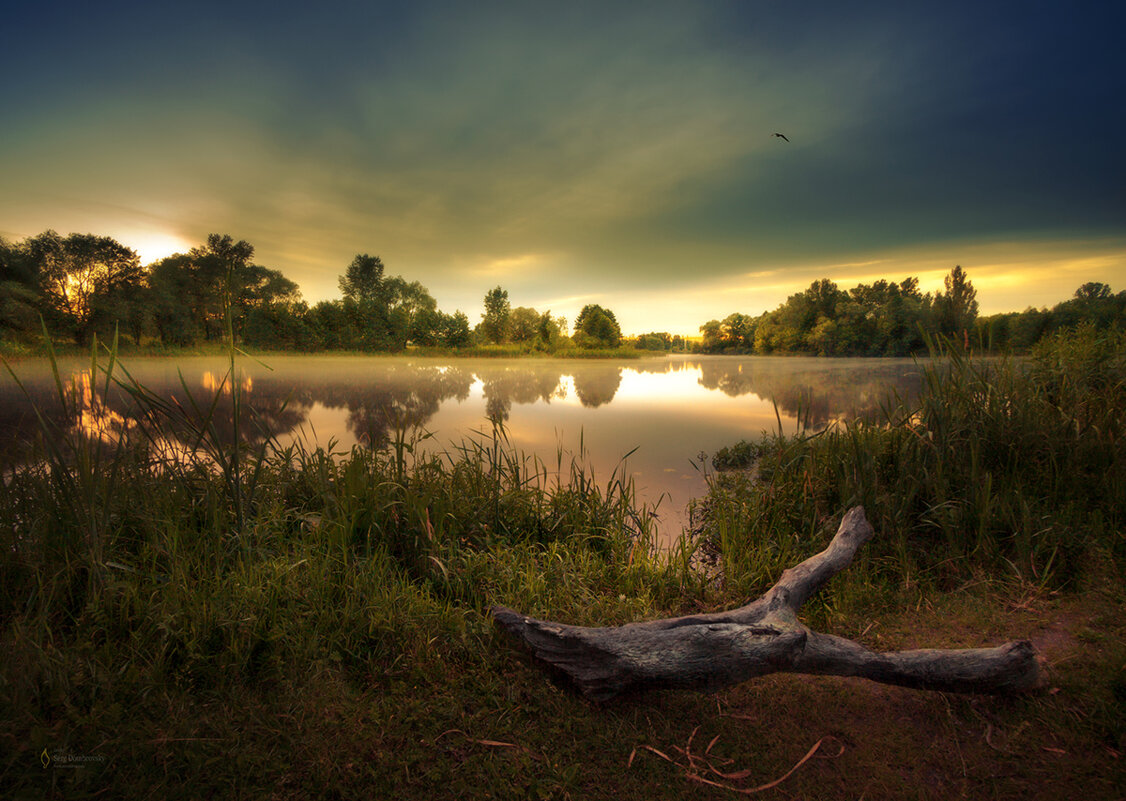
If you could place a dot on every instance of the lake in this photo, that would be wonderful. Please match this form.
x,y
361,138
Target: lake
x,y
665,410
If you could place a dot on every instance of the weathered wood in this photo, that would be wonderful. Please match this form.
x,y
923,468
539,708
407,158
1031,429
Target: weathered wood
x,y
708,652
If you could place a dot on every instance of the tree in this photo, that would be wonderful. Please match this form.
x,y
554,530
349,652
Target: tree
x,y
524,324
332,327
83,278
412,312
495,320
279,326
654,340
738,332
255,289
957,309
599,327
552,330
216,270
367,307
1093,291
713,335
174,300
363,279
19,295
455,330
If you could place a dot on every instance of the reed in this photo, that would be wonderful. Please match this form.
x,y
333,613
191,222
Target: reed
x,y
1002,465
222,616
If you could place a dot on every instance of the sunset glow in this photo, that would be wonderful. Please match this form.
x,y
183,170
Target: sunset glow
x,y
581,154
155,246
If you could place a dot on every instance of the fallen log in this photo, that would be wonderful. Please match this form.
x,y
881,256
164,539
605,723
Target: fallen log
x,y
711,651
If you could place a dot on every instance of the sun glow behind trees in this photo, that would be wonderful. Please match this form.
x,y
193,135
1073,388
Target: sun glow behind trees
x,y
85,284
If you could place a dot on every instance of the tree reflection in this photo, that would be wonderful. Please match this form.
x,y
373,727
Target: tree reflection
x,y
408,400
505,385
403,396
384,395
597,384
813,391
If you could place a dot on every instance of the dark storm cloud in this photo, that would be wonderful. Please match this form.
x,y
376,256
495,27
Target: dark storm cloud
x,y
567,149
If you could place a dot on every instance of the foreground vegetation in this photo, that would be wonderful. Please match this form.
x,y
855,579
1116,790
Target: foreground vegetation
x,y
186,616
1019,466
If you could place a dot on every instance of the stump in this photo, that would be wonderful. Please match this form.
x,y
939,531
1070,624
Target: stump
x,y
711,651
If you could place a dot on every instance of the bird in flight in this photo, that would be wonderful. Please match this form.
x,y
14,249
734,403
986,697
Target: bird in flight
x,y
780,136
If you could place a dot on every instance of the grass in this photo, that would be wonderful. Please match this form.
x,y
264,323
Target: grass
x,y
1016,467
232,621
15,351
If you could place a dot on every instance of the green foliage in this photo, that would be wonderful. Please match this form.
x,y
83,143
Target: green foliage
x,y
889,319
524,324
495,320
881,319
1000,464
740,456
207,561
363,279
335,641
85,281
661,340
454,331
85,284
597,327
957,309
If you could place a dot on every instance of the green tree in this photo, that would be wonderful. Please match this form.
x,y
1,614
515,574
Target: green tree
x,y
598,326
279,326
957,309
19,292
412,312
367,308
332,327
524,324
552,331
216,272
363,279
455,330
713,336
495,320
83,279
654,340
174,300
1093,291
738,332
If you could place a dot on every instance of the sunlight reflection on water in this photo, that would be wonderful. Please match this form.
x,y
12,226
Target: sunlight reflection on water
x,y
668,408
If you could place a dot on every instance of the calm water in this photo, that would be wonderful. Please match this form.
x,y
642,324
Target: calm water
x,y
669,408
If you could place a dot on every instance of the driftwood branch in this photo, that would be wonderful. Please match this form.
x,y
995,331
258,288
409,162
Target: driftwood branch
x,y
707,652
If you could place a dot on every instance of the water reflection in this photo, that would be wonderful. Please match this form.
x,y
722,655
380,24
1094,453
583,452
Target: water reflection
x,y
817,390
598,384
671,407
503,385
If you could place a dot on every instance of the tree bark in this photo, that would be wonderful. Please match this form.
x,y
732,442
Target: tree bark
x,y
708,652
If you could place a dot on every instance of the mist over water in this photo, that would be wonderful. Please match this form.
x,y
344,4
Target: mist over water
x,y
666,410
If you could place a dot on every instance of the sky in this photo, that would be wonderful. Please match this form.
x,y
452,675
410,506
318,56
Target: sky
x,y
619,153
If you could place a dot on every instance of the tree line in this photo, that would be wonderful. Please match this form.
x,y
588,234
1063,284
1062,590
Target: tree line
x,y
83,284
886,318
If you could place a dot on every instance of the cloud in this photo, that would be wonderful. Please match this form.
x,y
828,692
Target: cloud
x,y
624,151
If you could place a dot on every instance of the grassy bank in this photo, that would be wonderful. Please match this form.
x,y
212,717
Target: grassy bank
x,y
14,352
1017,468
290,624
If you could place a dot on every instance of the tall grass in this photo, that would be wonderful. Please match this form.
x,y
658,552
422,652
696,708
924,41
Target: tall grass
x,y
173,556
1007,465
155,581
